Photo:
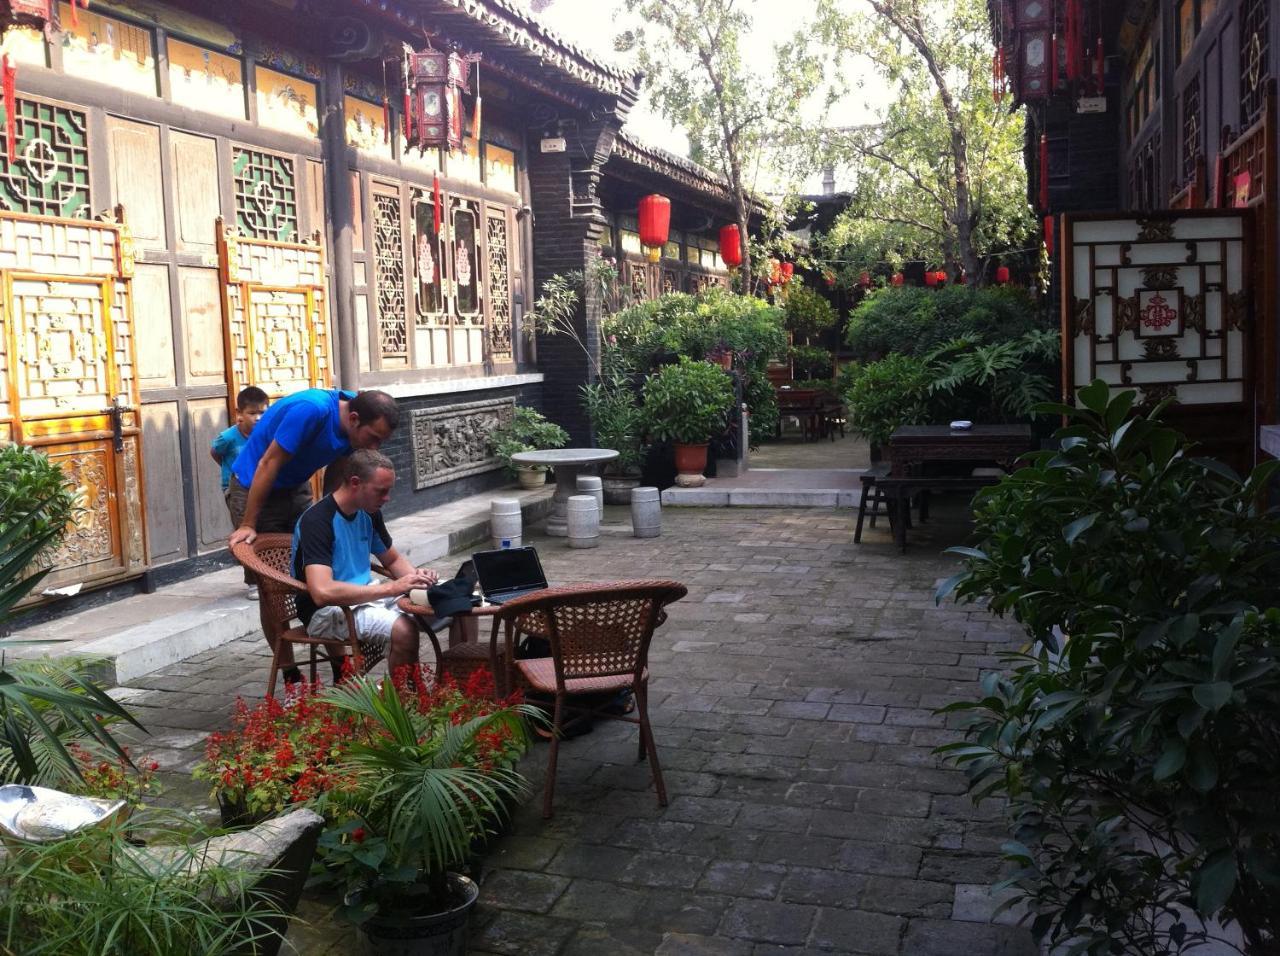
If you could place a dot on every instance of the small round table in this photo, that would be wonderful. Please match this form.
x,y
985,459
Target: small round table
x,y
568,464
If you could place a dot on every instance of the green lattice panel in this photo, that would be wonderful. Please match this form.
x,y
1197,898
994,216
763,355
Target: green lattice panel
x,y
266,195
50,172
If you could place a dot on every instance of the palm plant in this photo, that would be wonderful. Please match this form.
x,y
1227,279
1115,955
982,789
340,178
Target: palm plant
x,y
92,893
43,704
426,788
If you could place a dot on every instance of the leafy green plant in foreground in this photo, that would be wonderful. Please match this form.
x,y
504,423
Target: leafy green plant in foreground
x,y
1136,737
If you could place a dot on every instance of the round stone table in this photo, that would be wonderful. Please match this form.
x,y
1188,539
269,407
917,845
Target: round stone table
x,y
568,464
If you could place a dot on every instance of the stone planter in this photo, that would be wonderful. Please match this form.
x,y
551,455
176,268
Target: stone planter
x,y
531,478
617,491
691,461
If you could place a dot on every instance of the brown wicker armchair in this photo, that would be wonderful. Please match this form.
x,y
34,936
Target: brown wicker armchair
x,y
599,636
269,558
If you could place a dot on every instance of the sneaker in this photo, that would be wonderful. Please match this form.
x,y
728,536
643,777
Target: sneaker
x,y
252,593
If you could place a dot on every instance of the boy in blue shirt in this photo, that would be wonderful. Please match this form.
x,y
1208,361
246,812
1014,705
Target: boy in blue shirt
x,y
251,403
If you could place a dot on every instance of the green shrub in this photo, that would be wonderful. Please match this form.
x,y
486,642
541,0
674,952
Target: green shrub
x,y
808,313
34,486
915,321
1138,759
529,431
687,403
811,362
762,405
887,394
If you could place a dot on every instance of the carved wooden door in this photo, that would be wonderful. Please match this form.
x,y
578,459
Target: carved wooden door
x,y
274,318
68,357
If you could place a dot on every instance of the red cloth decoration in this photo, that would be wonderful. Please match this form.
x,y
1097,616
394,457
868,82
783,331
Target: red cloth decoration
x,y
10,77
475,116
1044,171
1048,235
405,114
438,200
1075,16
1053,61
1002,275
731,246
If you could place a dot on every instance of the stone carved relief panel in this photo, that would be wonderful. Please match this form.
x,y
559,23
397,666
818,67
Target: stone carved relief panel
x,y
452,441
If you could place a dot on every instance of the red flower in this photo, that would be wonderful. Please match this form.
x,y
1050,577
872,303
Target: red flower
x,y
358,834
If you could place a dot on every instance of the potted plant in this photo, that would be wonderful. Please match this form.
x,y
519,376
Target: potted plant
x,y
614,409
432,771
687,405
528,430
275,755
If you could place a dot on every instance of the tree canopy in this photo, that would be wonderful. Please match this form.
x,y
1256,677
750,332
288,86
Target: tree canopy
x,y
940,175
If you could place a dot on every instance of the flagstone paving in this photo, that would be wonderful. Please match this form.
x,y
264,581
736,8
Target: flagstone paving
x,y
793,696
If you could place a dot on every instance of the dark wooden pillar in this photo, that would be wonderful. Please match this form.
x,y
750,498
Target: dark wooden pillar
x,y
337,174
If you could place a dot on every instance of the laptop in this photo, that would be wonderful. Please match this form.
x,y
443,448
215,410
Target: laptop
x,y
509,573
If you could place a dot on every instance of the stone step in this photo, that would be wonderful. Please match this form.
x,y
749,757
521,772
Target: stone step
x,y
774,488
140,634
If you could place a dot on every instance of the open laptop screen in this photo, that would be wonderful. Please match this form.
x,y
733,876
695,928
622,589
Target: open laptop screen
x,y
509,569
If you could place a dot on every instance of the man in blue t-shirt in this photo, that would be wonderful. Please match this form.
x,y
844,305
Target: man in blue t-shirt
x,y
331,549
300,434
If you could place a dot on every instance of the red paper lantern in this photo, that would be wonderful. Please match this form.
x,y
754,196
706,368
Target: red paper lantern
x,y
655,220
33,13
898,278
1002,275
788,271
864,279
931,278
941,277
731,246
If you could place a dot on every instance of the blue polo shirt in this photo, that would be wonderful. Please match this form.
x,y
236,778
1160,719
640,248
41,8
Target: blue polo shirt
x,y
306,425
343,542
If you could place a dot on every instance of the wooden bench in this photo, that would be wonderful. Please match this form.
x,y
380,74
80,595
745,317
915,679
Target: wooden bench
x,y
898,492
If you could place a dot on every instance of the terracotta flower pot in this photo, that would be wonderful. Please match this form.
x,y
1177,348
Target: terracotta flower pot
x,y
691,461
534,477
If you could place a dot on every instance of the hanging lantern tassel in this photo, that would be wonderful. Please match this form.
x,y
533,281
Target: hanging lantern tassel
x,y
10,109
1053,61
1100,67
1044,171
404,75
475,118
1048,236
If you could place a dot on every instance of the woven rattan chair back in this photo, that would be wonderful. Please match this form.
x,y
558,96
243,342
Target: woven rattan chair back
x,y
596,630
269,557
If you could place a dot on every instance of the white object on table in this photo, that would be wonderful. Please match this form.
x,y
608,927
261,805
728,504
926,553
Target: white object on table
x,y
961,425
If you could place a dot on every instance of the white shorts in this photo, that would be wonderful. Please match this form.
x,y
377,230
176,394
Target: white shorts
x,y
374,622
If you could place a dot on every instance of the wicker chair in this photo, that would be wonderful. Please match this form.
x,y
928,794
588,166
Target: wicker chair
x,y
269,557
599,636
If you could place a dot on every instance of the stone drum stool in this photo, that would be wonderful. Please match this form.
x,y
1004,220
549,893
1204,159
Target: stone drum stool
x,y
583,518
592,485
646,512
505,522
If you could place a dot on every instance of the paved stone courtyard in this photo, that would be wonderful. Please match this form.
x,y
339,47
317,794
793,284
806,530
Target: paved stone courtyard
x,y
792,696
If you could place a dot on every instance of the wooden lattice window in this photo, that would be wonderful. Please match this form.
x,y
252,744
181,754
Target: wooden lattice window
x,y
499,260
1144,172
1255,59
1191,148
50,172
266,191
430,301
388,254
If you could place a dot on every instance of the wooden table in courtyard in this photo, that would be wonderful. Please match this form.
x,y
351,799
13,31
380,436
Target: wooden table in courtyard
x,y
913,448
